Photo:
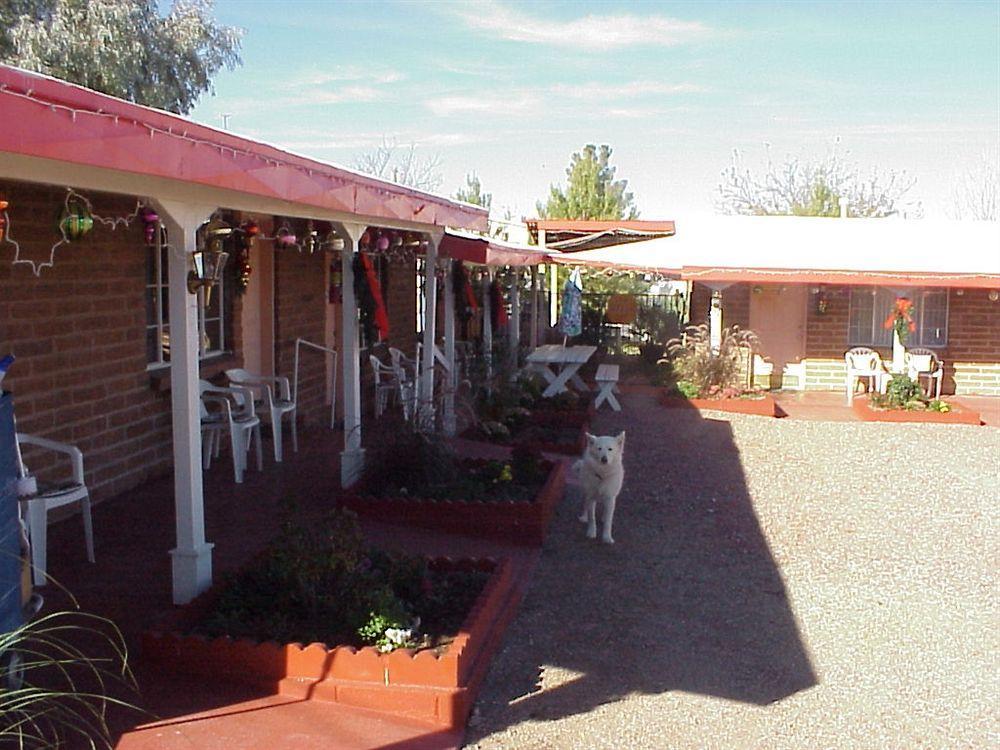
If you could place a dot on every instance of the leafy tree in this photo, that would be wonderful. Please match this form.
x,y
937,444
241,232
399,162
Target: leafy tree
x,y
473,192
814,188
592,192
122,47
977,194
390,161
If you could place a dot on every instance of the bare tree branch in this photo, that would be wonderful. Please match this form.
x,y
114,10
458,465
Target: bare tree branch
x,y
402,165
977,194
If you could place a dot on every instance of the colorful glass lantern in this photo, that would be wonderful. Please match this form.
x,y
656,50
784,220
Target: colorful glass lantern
x,y
311,241
3,217
251,228
334,242
76,220
151,219
382,243
209,259
285,238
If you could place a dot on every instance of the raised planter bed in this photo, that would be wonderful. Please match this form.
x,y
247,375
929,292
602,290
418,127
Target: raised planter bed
x,y
958,414
546,437
765,406
437,686
523,523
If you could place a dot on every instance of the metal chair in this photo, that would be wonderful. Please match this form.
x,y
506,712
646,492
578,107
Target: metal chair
x,y
270,405
234,412
864,364
47,498
924,363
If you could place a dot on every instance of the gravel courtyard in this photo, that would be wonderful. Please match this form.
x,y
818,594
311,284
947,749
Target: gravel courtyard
x,y
775,584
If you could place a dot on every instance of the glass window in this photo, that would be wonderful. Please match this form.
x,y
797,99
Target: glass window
x,y
870,306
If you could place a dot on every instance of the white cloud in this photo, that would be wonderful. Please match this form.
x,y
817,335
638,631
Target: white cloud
x,y
604,91
483,104
585,33
343,73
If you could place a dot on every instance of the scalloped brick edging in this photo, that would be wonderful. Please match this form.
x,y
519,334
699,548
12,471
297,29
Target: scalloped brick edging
x,y
958,414
761,407
523,523
421,685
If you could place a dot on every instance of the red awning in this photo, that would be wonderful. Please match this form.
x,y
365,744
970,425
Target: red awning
x,y
51,119
484,252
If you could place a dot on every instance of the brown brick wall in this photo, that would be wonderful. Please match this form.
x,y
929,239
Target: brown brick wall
x,y
78,332
401,304
300,311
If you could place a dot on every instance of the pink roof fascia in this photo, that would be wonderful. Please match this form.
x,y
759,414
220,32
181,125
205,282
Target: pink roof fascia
x,y
52,119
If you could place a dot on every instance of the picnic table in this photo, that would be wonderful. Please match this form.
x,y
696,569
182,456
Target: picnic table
x,y
560,365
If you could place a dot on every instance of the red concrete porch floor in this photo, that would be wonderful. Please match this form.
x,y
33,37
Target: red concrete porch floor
x,y
830,406
130,584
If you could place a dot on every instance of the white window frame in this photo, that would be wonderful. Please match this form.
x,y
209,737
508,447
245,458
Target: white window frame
x,y
160,287
915,295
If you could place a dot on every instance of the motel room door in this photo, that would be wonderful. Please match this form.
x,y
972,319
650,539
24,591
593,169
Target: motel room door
x,y
778,316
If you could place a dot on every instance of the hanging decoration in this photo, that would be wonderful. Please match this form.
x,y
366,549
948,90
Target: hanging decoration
x,y
3,216
76,220
465,297
374,318
150,220
498,307
247,232
284,237
334,242
570,317
311,241
900,319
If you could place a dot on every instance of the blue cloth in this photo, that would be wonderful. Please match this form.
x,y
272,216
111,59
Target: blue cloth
x,y
570,318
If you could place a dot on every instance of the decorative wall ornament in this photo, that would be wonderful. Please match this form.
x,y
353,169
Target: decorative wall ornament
x,y
151,220
3,216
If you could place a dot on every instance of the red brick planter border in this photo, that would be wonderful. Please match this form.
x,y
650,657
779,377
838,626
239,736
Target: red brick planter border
x,y
762,407
516,523
421,685
958,414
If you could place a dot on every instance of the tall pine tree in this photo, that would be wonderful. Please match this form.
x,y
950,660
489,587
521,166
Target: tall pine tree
x,y
592,192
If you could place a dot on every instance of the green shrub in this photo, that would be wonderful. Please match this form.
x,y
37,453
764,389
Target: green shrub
x,y
694,362
901,392
688,390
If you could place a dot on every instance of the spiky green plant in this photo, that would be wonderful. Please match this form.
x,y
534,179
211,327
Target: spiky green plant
x,y
694,362
54,689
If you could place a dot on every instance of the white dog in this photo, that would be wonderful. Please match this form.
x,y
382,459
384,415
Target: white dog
x,y
600,473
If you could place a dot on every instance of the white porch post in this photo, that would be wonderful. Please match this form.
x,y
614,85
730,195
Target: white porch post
x,y
191,559
715,320
488,323
449,350
514,331
533,338
425,408
352,459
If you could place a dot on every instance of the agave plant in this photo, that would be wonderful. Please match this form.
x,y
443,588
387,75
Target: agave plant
x,y
55,691
694,362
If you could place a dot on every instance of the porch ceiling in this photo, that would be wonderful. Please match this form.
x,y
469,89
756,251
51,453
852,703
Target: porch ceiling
x,y
59,132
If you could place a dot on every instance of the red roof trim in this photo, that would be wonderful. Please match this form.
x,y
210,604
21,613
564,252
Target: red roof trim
x,y
851,278
485,253
52,119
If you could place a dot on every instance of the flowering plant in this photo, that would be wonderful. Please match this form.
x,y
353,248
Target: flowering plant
x,y
900,319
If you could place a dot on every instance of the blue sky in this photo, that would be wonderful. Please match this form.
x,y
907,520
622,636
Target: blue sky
x,y
510,89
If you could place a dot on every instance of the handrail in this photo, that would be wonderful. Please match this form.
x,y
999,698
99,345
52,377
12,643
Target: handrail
x,y
295,378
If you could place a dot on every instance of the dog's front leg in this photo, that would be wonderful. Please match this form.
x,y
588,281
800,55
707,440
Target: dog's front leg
x,y
609,516
590,514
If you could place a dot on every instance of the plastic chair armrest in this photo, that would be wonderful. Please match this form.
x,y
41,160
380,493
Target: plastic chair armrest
x,y
74,453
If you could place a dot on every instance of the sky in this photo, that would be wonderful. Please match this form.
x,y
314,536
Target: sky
x,y
510,90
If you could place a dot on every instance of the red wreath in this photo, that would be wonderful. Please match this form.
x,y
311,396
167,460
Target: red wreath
x,y
381,316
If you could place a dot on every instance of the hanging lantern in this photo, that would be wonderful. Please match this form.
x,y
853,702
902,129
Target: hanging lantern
x,y
76,220
397,240
151,219
334,242
382,243
3,217
251,228
411,240
311,241
209,259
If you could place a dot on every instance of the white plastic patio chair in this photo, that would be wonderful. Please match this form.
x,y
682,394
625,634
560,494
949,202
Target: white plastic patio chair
x,y
38,506
270,406
924,363
387,385
864,364
408,376
233,412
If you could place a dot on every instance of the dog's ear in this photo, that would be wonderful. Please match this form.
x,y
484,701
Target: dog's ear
x,y
621,439
591,440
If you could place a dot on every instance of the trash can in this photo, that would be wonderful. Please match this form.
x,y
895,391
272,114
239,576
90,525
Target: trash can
x,y
10,528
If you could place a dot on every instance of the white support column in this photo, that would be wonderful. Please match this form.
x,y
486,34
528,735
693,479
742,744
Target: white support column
x,y
352,459
715,321
191,559
449,350
514,330
533,338
488,323
425,407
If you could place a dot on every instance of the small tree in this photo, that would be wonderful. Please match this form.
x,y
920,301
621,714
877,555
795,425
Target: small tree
x,y
814,188
473,192
122,47
390,161
977,194
592,192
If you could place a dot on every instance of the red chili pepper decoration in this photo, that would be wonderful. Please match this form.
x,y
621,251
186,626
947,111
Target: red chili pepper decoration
x,y
381,316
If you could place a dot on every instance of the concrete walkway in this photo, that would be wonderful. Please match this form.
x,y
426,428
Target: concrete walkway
x,y
775,584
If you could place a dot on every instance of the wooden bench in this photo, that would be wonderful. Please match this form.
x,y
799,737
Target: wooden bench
x,y
607,382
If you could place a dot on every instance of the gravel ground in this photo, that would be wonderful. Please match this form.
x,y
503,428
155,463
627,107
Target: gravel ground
x,y
775,584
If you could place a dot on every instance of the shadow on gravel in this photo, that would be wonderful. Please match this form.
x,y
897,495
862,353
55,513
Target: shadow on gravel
x,y
688,599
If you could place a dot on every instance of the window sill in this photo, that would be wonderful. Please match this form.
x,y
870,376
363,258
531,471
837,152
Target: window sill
x,y
210,367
